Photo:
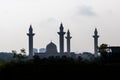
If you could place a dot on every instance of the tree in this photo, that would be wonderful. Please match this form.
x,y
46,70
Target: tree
x,y
14,53
36,58
103,49
23,51
19,56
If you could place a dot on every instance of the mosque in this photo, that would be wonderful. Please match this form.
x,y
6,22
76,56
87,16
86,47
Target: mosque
x,y
51,48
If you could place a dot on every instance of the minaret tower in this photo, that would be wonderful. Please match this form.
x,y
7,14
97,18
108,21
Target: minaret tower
x,y
96,36
30,35
68,37
61,38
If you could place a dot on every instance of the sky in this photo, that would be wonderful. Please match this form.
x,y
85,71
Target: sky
x,y
81,17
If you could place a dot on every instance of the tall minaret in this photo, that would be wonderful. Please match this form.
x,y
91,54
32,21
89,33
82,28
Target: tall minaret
x,y
30,35
61,38
96,36
68,37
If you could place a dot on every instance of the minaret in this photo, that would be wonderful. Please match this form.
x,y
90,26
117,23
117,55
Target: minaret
x,y
96,36
68,37
61,38
30,35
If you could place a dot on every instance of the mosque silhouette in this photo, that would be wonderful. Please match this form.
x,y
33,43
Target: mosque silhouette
x,y
51,48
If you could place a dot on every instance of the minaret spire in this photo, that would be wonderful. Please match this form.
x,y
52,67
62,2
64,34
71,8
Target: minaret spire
x,y
61,38
30,35
68,37
96,36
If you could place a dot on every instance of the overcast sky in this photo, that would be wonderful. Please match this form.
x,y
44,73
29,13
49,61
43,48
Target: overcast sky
x,y
79,16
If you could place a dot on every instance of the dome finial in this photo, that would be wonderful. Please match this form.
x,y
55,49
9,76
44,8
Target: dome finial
x,y
51,41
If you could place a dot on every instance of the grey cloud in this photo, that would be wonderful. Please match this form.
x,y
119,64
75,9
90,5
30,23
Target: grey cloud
x,y
48,20
51,19
86,11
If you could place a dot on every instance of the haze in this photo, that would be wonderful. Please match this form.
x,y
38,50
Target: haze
x,y
79,16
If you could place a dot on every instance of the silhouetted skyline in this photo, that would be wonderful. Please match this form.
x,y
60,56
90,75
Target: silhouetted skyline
x,y
80,16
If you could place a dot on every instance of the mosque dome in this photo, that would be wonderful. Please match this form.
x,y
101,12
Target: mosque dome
x,y
51,48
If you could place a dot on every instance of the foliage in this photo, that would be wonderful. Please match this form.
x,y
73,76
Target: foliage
x,y
23,51
103,48
19,56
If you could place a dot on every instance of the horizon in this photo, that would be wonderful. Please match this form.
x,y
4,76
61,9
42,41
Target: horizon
x,y
80,17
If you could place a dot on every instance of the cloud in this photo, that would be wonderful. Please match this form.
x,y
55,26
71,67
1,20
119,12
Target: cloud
x,y
86,11
51,19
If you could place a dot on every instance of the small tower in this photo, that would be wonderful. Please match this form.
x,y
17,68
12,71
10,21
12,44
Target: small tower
x,y
68,37
96,36
61,38
30,35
